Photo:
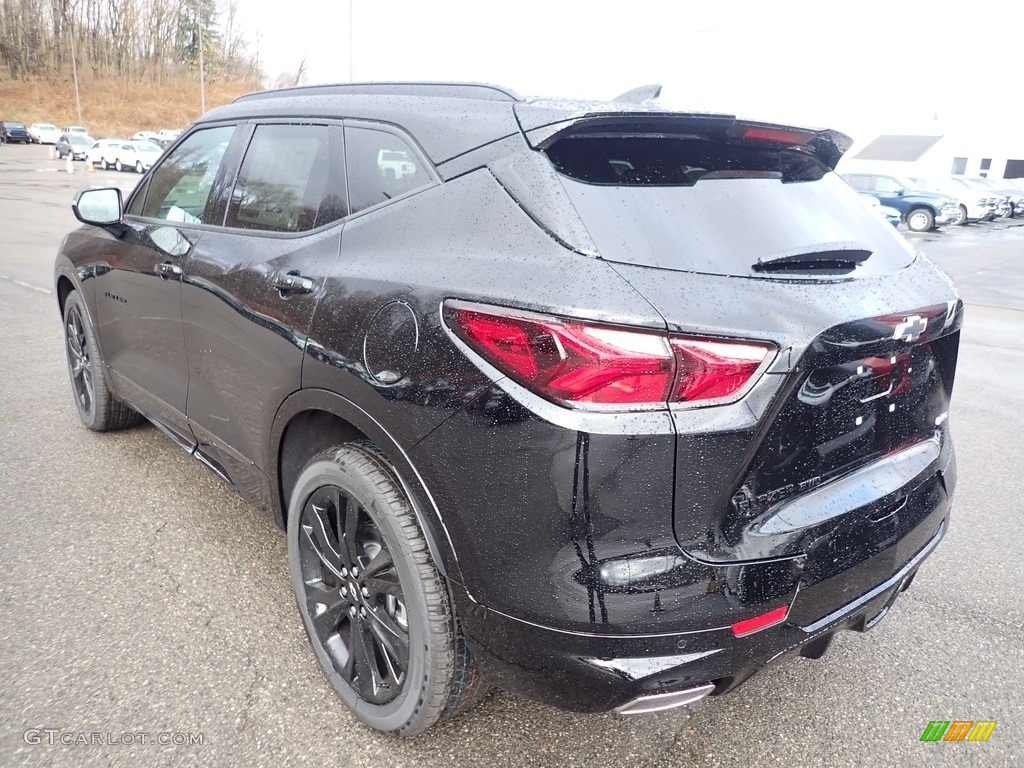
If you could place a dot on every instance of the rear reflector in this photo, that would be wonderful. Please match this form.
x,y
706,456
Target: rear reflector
x,y
582,363
756,624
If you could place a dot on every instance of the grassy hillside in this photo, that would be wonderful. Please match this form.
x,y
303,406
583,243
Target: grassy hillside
x,y
112,107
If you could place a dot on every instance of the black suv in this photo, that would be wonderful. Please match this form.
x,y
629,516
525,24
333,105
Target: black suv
x,y
603,404
11,132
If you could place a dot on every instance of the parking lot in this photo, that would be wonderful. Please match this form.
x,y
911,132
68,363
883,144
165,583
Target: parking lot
x,y
138,594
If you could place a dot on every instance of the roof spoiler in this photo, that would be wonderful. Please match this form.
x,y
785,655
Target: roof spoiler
x,y
826,145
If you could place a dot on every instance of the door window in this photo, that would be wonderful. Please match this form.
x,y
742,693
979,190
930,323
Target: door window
x,y
291,180
381,166
180,187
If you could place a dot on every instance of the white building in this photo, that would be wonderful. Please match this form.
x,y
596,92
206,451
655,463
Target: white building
x,y
931,153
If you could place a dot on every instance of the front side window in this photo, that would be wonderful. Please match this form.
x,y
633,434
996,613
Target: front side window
x,y
291,180
180,187
381,166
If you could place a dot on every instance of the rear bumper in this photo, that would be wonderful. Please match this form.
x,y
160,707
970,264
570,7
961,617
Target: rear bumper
x,y
591,672
595,673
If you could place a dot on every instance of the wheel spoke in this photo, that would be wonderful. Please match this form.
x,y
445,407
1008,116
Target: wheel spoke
x,y
381,562
379,576
319,535
87,387
74,342
326,607
368,677
348,671
384,584
348,508
390,638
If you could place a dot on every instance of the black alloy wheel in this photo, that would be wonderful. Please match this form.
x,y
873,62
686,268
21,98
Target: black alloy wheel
x,y
80,364
98,408
354,594
375,608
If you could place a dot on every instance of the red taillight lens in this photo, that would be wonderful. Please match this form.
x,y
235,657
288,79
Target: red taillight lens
x,y
756,624
585,363
710,370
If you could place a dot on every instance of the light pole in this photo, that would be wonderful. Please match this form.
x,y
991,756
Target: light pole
x,y
202,70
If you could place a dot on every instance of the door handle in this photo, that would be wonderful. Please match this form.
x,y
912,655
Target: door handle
x,y
289,282
168,269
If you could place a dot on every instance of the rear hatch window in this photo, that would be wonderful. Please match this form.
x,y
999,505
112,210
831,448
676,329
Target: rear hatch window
x,y
723,207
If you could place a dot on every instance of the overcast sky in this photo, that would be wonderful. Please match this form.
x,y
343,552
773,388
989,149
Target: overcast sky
x,y
858,66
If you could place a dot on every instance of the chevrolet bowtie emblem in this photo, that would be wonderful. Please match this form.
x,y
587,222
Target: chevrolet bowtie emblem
x,y
910,329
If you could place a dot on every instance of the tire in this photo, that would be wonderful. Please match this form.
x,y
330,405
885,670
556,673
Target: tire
x,y
138,167
98,409
409,667
961,217
117,165
920,220
104,164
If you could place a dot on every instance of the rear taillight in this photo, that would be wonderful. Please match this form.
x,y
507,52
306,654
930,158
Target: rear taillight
x,y
582,363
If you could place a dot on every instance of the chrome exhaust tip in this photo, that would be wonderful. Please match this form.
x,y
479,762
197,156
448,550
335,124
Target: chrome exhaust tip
x,y
660,701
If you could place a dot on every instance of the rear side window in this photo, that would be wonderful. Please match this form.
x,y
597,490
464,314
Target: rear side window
x,y
291,180
381,166
180,188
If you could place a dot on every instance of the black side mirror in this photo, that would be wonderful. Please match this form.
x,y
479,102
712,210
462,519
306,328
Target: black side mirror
x,y
901,192
99,207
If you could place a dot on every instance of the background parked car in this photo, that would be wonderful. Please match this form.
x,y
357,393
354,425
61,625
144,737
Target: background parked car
x,y
103,153
973,204
1000,187
1003,205
75,129
44,133
168,134
921,210
145,136
11,132
136,156
74,145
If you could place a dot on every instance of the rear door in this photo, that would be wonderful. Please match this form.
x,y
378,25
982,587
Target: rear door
x,y
250,287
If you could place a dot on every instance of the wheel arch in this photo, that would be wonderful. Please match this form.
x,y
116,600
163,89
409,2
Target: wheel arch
x,y
64,289
312,420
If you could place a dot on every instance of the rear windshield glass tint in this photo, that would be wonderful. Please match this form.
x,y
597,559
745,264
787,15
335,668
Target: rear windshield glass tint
x,y
718,208
665,161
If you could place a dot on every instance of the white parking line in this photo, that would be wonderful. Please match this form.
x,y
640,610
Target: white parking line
x,y
26,285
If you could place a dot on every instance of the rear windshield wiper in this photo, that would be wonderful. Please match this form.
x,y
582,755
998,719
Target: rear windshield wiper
x,y
836,259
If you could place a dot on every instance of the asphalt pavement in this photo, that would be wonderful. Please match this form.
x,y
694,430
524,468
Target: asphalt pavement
x,y
139,595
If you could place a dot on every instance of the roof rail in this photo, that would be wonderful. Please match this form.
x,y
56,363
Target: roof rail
x,y
482,91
